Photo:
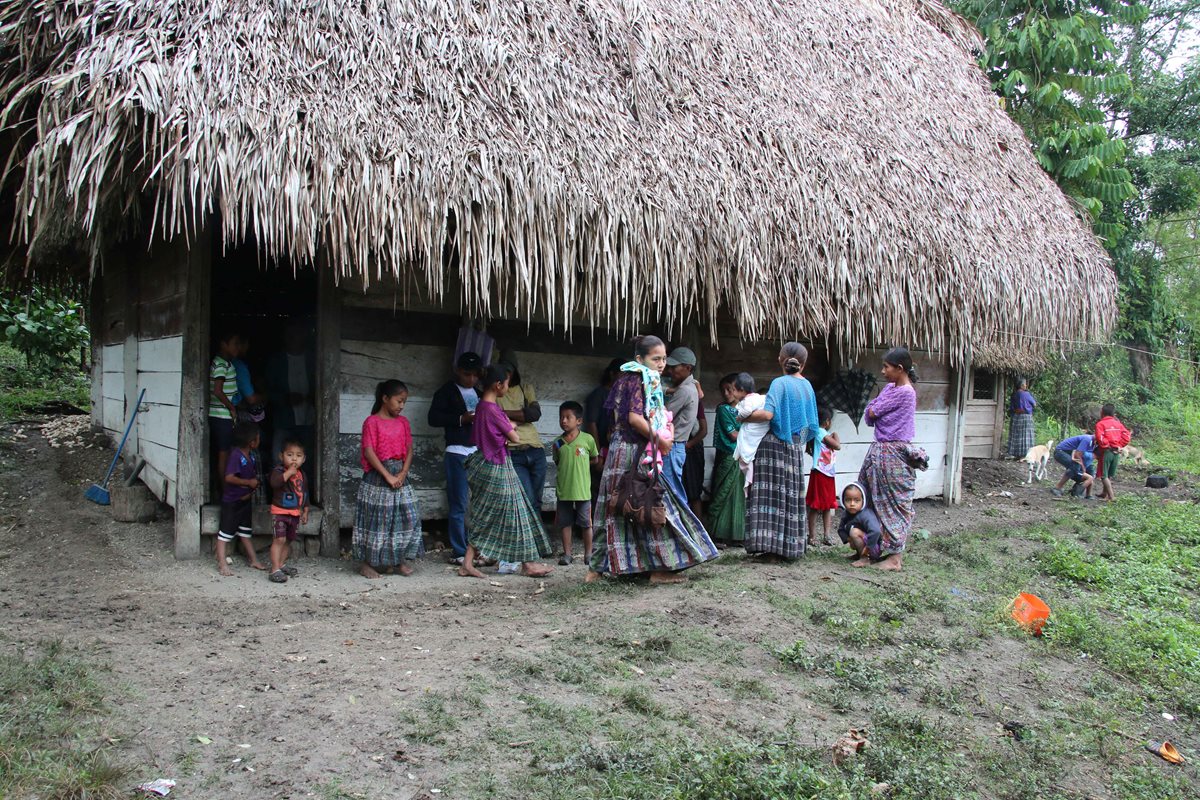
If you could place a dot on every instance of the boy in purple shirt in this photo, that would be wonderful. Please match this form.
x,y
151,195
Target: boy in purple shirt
x,y
240,481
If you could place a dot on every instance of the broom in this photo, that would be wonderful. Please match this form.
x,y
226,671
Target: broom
x,y
98,493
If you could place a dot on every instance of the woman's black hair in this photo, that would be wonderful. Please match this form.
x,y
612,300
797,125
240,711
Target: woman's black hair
x,y
493,374
794,355
728,380
611,371
389,388
642,345
824,414
743,382
900,357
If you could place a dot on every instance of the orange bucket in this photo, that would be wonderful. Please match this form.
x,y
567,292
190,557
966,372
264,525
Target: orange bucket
x,y
1030,613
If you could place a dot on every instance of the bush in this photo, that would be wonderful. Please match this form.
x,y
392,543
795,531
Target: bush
x,y
45,326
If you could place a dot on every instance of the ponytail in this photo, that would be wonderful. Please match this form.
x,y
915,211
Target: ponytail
x,y
900,357
794,356
389,388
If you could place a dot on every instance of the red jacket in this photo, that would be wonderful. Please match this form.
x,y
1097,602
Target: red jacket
x,y
1111,434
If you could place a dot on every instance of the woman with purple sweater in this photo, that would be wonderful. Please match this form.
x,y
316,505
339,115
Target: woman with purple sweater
x,y
887,472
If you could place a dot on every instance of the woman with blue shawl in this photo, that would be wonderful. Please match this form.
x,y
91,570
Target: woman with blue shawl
x,y
640,421
775,514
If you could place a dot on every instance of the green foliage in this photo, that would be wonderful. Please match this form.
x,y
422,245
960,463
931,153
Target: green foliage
x,y
50,747
46,326
24,391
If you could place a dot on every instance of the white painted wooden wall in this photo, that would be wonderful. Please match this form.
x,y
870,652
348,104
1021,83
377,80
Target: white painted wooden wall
x,y
112,389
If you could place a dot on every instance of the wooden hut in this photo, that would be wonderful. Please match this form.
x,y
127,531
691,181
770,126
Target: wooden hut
x,y
563,174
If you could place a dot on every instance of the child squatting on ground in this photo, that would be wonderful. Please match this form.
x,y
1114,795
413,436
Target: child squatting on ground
x,y
575,453
289,507
859,527
240,481
821,497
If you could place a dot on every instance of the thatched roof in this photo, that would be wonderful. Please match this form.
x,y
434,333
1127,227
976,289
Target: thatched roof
x,y
810,166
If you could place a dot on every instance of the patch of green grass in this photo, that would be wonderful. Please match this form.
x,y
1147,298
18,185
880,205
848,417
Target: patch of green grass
x,y
431,721
51,717
24,392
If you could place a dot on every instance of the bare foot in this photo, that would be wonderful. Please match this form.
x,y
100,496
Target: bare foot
x,y
889,564
862,562
404,569
532,569
468,570
367,571
592,577
225,570
258,565
667,577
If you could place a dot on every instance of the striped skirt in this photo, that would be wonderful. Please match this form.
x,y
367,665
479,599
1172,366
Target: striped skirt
x,y
890,483
776,520
727,511
622,548
387,522
502,522
1020,435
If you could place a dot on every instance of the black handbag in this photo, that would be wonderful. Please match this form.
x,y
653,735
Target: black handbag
x,y
639,498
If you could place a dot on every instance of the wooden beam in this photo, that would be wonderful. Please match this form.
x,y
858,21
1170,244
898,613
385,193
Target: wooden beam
x,y
329,371
1001,407
192,473
95,317
960,381
129,279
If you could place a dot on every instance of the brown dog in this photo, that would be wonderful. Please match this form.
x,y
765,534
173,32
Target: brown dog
x,y
1134,455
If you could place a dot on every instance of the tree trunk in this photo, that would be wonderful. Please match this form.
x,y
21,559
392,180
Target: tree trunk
x,y
1141,361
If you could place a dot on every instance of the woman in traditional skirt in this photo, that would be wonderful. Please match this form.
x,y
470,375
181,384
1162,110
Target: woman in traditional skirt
x,y
1020,427
727,511
621,547
886,474
503,524
775,512
387,523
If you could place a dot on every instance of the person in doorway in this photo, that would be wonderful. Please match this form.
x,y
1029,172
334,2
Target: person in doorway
x,y
239,481
1021,429
387,522
528,453
1075,455
888,474
1110,436
683,402
291,389
222,388
598,421
504,524
289,507
453,410
248,402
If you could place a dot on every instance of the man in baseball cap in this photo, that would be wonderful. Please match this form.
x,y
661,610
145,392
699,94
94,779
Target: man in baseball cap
x,y
684,405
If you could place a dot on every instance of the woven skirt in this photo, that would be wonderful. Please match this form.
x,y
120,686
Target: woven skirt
x,y
727,511
776,519
1020,435
387,521
890,483
622,548
502,522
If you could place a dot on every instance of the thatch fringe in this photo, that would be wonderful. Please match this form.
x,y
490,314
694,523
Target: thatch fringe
x,y
807,165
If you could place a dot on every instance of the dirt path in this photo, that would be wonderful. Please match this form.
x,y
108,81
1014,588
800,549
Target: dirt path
x,y
321,687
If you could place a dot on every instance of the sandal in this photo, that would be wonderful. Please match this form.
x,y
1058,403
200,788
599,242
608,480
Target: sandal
x,y
290,570
279,576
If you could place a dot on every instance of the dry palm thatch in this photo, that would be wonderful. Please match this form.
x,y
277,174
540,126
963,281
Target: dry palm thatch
x,y
805,165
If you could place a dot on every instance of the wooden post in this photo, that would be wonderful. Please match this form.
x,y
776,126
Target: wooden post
x,y
1001,407
129,278
192,473
95,317
952,486
329,412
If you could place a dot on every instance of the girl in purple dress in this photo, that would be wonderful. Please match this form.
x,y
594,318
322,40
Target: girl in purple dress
x,y
887,473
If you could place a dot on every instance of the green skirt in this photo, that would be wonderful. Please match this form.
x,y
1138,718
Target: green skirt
x,y
727,511
502,522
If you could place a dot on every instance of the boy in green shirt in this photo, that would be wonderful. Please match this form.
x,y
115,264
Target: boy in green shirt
x,y
575,453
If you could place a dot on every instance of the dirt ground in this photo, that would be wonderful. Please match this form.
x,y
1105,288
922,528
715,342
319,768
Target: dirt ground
x,y
237,687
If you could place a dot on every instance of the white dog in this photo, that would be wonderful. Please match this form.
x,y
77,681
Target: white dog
x,y
1134,455
1037,457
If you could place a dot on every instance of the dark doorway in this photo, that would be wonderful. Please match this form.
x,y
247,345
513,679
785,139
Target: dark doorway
x,y
273,306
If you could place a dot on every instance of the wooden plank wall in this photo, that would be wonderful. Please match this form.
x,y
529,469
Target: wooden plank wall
x,y
160,374
980,438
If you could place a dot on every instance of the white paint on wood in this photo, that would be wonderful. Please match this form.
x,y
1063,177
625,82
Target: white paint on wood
x,y
162,388
112,358
162,486
160,355
159,424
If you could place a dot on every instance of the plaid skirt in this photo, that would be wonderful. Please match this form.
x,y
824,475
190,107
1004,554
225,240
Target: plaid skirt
x,y
776,519
500,518
387,522
890,483
1020,435
727,511
622,548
